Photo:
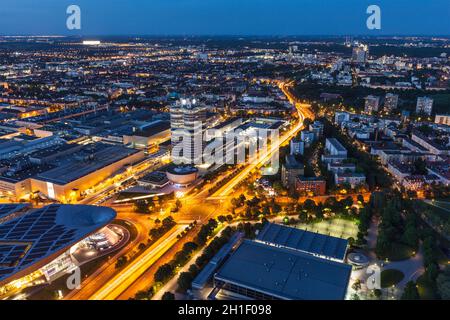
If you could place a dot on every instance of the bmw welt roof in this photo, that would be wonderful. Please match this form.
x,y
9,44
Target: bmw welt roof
x,y
306,241
34,238
9,208
285,273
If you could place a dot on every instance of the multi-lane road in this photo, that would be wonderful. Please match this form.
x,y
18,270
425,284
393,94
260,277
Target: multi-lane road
x,y
126,277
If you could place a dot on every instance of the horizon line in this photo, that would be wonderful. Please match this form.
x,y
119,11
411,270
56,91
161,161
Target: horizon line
x,y
226,35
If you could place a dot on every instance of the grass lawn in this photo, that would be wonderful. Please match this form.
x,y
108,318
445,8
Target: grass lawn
x,y
398,252
391,277
336,227
426,291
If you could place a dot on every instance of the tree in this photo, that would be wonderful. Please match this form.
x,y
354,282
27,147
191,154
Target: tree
x,y
410,292
309,204
163,273
331,202
168,296
384,244
443,284
185,281
377,293
303,217
356,285
143,206
276,208
168,222
347,202
189,247
410,236
420,167
193,270
121,262
355,297
351,241
278,187
432,271
307,122
222,219
145,294
360,198
429,251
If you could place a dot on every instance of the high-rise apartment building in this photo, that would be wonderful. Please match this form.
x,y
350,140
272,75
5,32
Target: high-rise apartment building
x,y
372,104
390,102
424,105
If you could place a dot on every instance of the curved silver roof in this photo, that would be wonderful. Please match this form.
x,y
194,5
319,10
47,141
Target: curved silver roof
x,y
37,234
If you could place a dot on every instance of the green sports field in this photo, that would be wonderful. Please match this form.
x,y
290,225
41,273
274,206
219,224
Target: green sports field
x,y
340,228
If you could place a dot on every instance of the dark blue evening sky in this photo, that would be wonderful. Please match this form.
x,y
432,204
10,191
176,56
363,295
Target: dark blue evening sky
x,y
224,17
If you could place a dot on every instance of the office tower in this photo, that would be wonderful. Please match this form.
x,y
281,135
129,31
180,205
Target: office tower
x,y
424,105
187,118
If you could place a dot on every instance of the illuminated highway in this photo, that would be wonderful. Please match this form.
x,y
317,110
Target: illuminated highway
x,y
113,288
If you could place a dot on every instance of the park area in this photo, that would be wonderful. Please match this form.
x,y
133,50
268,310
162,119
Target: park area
x,y
337,227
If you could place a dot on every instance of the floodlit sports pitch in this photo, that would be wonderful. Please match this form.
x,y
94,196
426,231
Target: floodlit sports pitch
x,y
334,227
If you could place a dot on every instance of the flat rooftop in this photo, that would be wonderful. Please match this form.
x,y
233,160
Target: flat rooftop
x,y
285,273
302,240
157,177
153,128
84,162
336,144
292,163
43,153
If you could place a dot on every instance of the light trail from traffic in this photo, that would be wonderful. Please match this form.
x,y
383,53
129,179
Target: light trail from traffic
x,y
113,288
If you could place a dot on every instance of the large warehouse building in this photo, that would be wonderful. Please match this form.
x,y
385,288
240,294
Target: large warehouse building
x,y
82,170
52,173
260,271
285,263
